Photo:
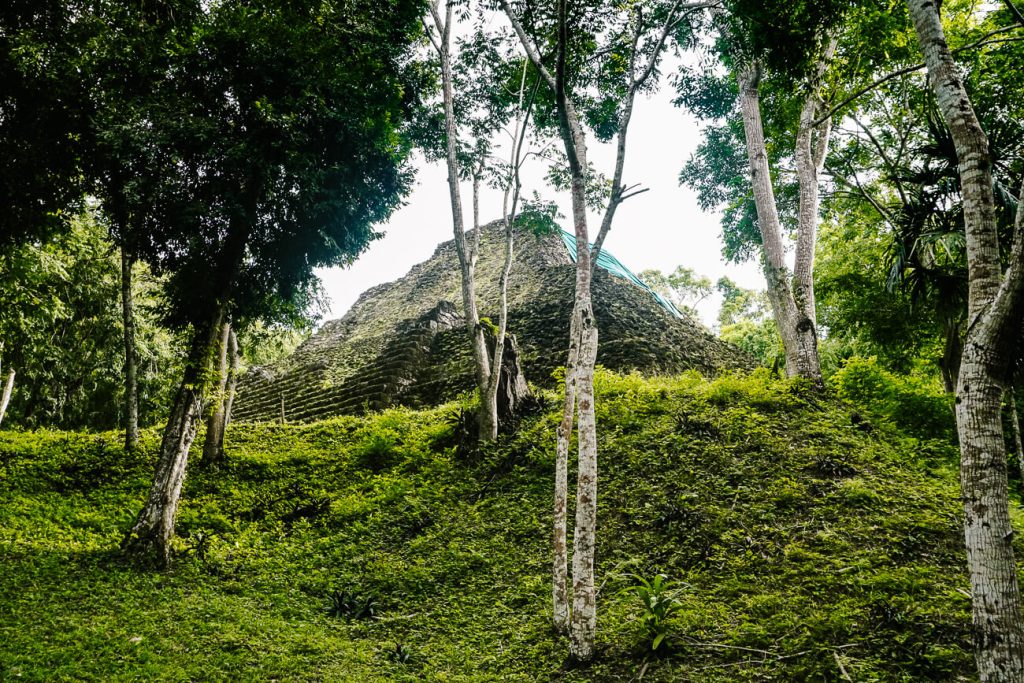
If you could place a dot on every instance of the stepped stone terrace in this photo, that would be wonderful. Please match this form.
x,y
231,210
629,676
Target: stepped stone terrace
x,y
404,342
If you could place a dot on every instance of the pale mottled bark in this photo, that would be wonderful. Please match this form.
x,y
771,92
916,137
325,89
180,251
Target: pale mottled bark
x,y
583,335
508,213
579,380
5,398
151,534
131,385
792,298
583,619
994,312
214,441
560,566
467,254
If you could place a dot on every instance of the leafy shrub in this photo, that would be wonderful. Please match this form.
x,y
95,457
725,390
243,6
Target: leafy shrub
x,y
376,452
915,405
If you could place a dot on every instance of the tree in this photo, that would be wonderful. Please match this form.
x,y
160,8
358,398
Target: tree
x,y
492,110
995,311
791,296
216,422
683,287
128,60
276,134
782,55
60,323
635,37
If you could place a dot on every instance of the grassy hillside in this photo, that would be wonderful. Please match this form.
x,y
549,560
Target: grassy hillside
x,y
803,540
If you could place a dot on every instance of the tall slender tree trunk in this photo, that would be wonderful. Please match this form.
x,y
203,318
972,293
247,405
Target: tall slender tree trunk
x,y
560,566
131,385
214,442
513,186
151,534
792,304
232,384
580,378
583,336
995,307
467,255
5,397
583,619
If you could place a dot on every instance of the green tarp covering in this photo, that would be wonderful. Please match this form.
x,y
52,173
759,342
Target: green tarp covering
x,y
612,265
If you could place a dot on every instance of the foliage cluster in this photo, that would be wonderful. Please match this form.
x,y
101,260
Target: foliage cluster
x,y
918,406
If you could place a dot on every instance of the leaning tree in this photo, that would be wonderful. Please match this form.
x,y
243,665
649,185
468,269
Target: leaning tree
x,y
277,135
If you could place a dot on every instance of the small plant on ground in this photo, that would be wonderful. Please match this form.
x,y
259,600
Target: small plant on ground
x,y
401,654
348,603
658,600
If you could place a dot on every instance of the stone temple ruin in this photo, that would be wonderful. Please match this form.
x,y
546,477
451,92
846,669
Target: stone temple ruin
x,y
404,342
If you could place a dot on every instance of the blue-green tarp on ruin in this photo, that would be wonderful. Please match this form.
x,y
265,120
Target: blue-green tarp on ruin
x,y
607,261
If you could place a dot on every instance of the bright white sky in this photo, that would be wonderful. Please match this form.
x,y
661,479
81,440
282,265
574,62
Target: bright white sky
x,y
662,228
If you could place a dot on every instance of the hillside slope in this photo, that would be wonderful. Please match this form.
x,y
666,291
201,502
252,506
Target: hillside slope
x,y
803,542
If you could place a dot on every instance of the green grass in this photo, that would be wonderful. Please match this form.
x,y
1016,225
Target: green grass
x,y
797,535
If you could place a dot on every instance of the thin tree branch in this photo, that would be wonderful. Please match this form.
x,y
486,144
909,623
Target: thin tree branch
x,y
856,185
669,25
885,157
528,45
984,40
430,34
1016,12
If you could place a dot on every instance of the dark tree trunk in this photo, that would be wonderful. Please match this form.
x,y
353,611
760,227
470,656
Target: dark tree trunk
x,y
131,387
232,384
951,353
514,396
150,537
214,442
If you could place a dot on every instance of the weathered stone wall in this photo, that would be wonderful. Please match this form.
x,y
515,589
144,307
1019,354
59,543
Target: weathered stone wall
x,y
404,343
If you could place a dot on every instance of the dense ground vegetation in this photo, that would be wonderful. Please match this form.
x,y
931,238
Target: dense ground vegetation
x,y
804,537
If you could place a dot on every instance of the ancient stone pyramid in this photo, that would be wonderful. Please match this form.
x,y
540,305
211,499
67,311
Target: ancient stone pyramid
x,y
404,343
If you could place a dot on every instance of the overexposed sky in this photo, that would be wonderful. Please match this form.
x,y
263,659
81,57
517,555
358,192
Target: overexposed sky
x,y
662,228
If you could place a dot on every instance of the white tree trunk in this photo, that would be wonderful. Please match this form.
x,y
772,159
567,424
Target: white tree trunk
x,y
994,312
467,255
512,189
583,335
583,621
5,398
792,307
560,566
